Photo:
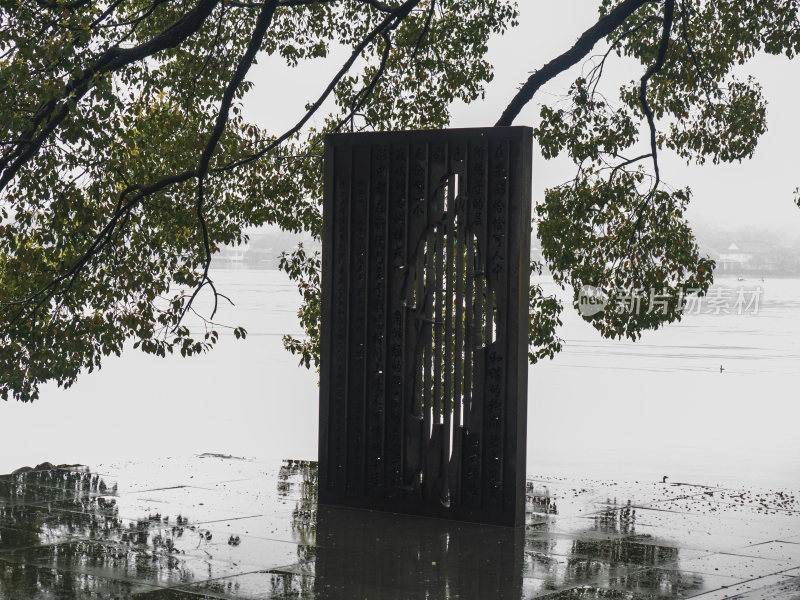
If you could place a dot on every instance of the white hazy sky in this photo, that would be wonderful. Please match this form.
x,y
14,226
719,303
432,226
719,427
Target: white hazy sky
x,y
757,193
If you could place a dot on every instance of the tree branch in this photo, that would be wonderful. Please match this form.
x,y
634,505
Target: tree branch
x,y
669,13
571,57
626,163
106,13
397,15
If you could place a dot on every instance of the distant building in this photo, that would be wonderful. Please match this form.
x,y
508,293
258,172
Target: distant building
x,y
747,257
263,249
231,253
733,259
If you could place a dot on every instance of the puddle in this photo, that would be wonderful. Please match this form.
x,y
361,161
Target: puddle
x,y
215,527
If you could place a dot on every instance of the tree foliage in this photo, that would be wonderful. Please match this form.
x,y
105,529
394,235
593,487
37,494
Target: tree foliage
x,y
126,163
617,227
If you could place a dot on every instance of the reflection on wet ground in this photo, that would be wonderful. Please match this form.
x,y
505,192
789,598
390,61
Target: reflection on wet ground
x,y
221,527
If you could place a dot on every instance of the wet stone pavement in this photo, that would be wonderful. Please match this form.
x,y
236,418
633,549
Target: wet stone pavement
x,y
220,527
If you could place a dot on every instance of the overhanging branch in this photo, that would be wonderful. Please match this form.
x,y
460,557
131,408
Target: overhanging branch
x,y
571,57
391,20
669,13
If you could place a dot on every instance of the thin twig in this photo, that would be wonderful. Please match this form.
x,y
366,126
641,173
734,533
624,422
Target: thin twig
x,y
424,33
263,23
366,92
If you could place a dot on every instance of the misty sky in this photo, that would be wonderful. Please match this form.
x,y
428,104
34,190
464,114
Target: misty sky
x,y
757,193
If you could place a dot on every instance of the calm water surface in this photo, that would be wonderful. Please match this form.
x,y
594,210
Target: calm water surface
x,y
601,409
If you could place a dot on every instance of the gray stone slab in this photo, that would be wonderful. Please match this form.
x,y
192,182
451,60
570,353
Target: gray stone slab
x,y
773,587
31,582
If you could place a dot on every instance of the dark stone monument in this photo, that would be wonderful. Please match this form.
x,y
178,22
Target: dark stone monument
x,y
425,273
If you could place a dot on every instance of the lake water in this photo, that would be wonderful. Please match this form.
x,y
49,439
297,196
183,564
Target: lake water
x,y
601,409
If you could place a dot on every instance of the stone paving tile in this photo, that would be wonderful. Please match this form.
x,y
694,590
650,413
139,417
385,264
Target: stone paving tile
x,y
45,486
771,587
262,585
251,552
255,487
669,583
30,582
541,588
584,527
126,563
787,554
704,531
732,565
640,551
204,467
586,497
200,503
172,594
736,503
645,584
420,588
190,542
243,486
16,539
589,592
783,590
155,506
747,519
139,476
31,525
284,584
285,526
557,572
